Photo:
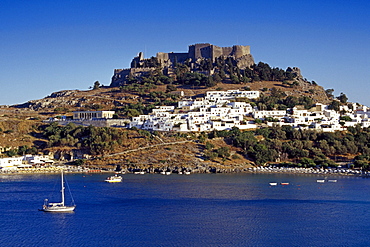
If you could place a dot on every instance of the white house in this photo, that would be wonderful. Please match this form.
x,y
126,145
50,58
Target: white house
x,y
7,164
273,113
37,159
231,94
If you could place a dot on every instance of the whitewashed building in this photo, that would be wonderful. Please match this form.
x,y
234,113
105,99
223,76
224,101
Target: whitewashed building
x,y
231,94
11,163
88,115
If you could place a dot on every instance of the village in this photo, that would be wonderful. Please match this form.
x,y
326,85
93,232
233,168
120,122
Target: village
x,y
223,110
220,110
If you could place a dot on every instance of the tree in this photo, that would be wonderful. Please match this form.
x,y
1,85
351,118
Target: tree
x,y
223,152
346,118
334,105
170,88
217,78
329,93
96,85
261,154
277,93
342,98
209,146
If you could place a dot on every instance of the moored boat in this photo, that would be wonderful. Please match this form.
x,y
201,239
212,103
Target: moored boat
x,y
139,172
273,184
58,206
113,179
284,183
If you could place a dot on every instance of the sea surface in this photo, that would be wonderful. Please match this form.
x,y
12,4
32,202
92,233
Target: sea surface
x,y
193,210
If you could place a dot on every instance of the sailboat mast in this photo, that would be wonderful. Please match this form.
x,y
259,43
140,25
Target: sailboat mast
x,y
62,189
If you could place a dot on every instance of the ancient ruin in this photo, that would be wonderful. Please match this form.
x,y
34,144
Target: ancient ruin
x,y
195,55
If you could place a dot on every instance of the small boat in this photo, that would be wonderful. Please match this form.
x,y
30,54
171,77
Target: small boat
x,y
284,183
273,184
113,179
139,172
332,180
320,180
168,173
187,173
58,206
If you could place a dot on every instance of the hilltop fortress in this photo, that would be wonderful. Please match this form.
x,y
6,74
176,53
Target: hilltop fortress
x,y
195,55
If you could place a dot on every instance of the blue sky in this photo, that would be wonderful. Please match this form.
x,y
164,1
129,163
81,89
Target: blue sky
x,y
48,45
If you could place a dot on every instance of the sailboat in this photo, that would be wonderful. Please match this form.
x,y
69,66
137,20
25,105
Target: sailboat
x,y
58,206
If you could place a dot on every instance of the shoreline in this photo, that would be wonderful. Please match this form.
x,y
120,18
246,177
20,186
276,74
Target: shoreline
x,y
260,169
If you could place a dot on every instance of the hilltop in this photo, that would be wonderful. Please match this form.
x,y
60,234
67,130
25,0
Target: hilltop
x,y
161,80
203,68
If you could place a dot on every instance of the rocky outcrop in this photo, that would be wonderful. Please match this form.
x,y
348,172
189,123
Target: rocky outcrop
x,y
66,98
64,93
245,61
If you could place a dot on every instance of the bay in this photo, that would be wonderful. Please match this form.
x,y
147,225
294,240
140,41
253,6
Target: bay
x,y
194,210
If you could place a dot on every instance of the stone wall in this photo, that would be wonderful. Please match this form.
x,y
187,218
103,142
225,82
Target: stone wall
x,y
167,59
241,50
199,50
120,76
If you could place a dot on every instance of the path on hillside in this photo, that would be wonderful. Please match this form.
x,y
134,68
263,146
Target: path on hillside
x,y
142,148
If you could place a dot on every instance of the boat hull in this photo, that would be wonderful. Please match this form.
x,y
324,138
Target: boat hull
x,y
113,181
59,209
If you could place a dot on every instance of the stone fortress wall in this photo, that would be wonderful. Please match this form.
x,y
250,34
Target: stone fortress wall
x,y
204,50
212,51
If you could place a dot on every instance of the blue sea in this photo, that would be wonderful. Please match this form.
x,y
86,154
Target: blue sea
x,y
193,210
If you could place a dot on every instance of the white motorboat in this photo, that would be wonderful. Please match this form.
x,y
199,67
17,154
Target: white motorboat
x,y
59,206
273,184
113,179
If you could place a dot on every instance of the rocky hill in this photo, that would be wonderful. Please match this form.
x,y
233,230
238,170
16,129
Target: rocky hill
x,y
156,81
19,124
